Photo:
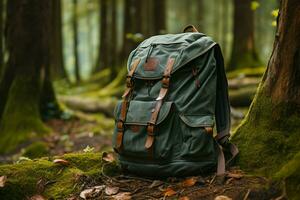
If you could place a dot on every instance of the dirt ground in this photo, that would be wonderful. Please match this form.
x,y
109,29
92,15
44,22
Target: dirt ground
x,y
235,185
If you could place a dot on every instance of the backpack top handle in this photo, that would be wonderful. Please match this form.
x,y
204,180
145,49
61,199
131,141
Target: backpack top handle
x,y
190,28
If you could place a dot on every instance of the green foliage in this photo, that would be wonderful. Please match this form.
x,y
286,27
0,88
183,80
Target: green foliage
x,y
52,180
254,5
247,72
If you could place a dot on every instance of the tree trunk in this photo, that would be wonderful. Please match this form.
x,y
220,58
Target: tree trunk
x,y
28,29
102,59
127,29
57,61
270,135
243,50
159,16
113,46
76,43
1,38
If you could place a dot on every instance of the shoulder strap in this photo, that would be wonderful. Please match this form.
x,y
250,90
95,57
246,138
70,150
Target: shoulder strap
x,y
222,113
124,106
159,101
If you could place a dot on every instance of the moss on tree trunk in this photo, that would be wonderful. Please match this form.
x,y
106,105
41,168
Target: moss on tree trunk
x,y
21,117
25,88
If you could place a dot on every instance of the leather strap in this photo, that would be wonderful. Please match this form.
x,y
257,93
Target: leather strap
x,y
159,101
221,166
190,28
124,106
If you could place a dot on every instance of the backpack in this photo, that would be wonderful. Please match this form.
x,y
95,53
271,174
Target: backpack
x,y
176,90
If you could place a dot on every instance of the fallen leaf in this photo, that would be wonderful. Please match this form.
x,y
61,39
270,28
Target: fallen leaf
x,y
37,197
108,157
3,180
189,182
111,190
169,192
223,197
184,198
155,183
91,192
233,175
61,161
122,196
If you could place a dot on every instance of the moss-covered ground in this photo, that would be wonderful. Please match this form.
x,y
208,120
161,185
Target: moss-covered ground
x,y
50,179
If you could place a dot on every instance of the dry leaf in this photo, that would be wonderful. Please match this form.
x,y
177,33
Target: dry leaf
x,y
184,198
3,180
156,183
233,175
169,192
111,190
108,157
189,182
122,196
37,197
61,161
222,197
91,192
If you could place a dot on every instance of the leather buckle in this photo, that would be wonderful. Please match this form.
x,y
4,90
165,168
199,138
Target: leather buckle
x,y
120,126
129,81
150,128
165,81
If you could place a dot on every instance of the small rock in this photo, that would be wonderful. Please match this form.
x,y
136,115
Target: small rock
x,y
111,190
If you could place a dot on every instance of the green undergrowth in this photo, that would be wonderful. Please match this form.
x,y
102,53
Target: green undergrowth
x,y
290,173
53,180
268,139
247,72
36,150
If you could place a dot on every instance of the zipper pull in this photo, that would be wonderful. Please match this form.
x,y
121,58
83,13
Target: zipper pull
x,y
150,50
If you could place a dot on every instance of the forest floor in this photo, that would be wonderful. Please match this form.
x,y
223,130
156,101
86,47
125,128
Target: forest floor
x,y
78,135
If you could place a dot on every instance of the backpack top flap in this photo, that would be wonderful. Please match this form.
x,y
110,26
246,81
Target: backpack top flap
x,y
155,51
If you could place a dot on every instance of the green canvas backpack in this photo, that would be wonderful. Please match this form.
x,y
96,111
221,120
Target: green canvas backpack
x,y
176,90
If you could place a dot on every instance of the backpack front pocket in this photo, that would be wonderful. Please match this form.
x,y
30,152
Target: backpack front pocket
x,y
135,132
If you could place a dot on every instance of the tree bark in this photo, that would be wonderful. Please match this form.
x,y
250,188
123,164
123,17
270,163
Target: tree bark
x,y
28,29
76,43
57,62
269,136
243,52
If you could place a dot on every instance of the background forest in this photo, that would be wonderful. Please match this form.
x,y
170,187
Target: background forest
x,y
63,68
